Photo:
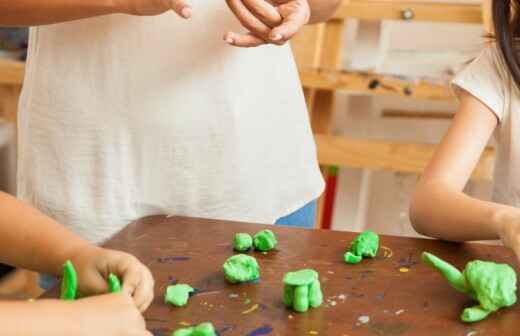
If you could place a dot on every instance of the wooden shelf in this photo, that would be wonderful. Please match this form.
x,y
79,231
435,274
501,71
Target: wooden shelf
x,y
11,72
382,155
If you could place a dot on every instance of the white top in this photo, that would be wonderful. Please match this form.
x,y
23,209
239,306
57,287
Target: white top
x,y
123,117
487,79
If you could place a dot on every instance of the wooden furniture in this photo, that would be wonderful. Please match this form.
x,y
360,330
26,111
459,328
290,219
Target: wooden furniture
x,y
318,51
11,78
394,292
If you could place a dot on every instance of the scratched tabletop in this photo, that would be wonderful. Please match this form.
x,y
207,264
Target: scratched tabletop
x,y
393,294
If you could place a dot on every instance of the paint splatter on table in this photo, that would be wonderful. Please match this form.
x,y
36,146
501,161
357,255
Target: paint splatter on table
x,y
372,298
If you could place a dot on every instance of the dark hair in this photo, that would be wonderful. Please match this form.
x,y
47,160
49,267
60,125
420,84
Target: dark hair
x,y
506,21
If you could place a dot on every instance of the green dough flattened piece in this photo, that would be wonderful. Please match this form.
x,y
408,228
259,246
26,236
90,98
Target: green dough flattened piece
x,y
241,268
352,258
178,295
452,274
365,245
69,284
242,242
300,278
204,329
114,285
265,240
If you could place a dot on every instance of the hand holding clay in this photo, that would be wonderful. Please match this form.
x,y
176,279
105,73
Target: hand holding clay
x,y
178,295
69,284
241,268
265,240
302,290
365,245
492,285
204,329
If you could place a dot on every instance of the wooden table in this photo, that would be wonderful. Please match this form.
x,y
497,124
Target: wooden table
x,y
416,302
11,78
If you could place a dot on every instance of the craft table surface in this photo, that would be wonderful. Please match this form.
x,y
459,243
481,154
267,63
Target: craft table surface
x,y
417,302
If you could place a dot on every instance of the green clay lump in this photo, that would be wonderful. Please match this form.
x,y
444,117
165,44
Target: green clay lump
x,y
492,285
178,295
242,242
204,329
265,240
364,246
69,284
241,268
302,290
114,285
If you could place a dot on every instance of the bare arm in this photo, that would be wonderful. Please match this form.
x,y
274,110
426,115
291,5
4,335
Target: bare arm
x,y
439,207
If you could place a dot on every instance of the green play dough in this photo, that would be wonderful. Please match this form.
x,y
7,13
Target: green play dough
x,y
114,285
69,284
265,240
178,295
492,285
242,242
302,290
203,329
364,246
241,268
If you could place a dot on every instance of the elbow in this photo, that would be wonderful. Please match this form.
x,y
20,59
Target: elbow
x,y
420,213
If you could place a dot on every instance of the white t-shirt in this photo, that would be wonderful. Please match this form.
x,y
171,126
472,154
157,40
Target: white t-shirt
x,y
123,117
488,80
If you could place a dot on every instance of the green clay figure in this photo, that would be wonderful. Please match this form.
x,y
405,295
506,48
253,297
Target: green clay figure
x,y
204,329
265,240
241,268
242,242
492,285
114,285
69,284
178,295
302,290
364,246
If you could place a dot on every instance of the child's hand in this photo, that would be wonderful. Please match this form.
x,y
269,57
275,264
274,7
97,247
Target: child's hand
x,y
273,21
107,315
154,7
94,264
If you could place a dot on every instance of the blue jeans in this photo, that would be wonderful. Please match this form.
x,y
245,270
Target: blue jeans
x,y
303,218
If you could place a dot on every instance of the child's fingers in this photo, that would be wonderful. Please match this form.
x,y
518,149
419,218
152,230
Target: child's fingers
x,y
289,27
182,8
247,40
247,19
264,11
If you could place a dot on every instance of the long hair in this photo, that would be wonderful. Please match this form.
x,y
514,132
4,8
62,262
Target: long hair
x,y
506,21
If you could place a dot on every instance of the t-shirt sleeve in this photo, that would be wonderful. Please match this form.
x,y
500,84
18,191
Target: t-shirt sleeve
x,y
485,79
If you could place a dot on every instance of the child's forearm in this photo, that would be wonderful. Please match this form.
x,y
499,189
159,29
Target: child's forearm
x,y
29,239
440,212
322,10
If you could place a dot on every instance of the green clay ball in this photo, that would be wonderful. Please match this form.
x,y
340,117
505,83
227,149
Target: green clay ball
x,y
241,268
178,295
204,329
242,242
492,285
365,245
302,290
114,285
69,284
265,240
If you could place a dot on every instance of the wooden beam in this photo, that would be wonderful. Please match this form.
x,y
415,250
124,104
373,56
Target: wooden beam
x,y
402,114
11,72
366,83
420,11
381,155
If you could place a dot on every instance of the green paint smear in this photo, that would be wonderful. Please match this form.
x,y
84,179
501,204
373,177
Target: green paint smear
x,y
241,268
302,289
178,295
265,240
492,285
365,245
114,285
242,242
204,329
69,284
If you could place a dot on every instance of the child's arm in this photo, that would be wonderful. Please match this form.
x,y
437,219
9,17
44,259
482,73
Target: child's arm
x,y
439,207
31,240
107,315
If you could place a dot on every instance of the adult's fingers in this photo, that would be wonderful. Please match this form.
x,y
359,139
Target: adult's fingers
x,y
247,40
264,11
297,16
181,7
247,19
